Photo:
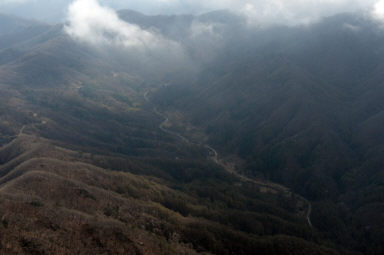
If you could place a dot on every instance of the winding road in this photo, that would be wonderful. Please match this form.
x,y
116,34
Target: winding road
x,y
214,156
164,124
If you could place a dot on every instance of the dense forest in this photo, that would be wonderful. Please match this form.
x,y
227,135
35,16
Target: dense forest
x,y
255,141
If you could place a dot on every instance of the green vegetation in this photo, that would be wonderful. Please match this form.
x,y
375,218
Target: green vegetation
x,y
306,112
86,167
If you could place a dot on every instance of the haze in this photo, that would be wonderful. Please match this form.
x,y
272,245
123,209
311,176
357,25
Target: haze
x,y
216,127
257,11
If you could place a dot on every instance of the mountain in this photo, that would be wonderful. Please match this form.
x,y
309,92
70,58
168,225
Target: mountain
x,y
268,140
300,106
87,164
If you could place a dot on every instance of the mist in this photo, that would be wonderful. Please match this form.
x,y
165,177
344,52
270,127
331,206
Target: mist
x,y
260,12
90,22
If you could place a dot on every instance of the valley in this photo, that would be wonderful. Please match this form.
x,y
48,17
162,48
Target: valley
x,y
230,167
234,141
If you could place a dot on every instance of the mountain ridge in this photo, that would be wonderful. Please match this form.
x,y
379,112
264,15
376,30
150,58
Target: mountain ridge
x,y
85,153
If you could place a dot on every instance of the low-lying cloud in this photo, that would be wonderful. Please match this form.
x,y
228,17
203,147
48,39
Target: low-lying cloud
x,y
258,11
261,12
297,12
94,23
98,25
378,10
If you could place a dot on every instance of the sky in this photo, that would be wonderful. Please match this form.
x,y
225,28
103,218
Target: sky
x,y
262,11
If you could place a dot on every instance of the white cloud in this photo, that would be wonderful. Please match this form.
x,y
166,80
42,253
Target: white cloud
x,y
92,23
378,10
294,12
289,12
99,26
258,11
